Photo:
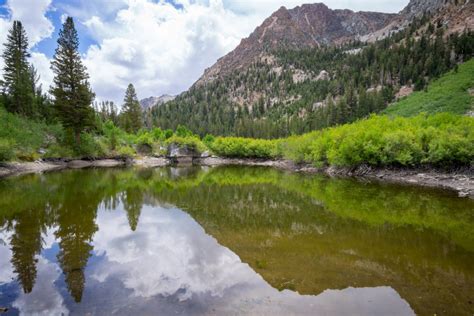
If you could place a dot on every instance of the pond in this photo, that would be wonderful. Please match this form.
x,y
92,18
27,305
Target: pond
x,y
231,240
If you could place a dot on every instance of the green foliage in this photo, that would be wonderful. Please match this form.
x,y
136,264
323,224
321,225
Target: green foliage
x,y
71,91
442,140
238,147
449,93
208,140
17,80
158,134
131,116
26,136
168,133
58,151
7,152
191,142
126,151
89,146
182,131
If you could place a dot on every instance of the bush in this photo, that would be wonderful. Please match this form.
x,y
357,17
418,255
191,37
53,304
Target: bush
x,y
191,142
208,140
126,151
7,150
89,147
238,147
58,151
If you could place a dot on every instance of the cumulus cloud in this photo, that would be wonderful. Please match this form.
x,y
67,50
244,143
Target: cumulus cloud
x,y
37,25
161,46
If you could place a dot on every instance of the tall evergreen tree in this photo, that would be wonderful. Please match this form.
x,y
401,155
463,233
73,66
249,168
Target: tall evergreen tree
x,y
17,80
132,111
71,91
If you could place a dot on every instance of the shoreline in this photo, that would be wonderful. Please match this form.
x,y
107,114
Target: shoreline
x,y
460,181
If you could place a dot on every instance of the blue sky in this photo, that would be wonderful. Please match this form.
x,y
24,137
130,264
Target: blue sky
x,y
161,46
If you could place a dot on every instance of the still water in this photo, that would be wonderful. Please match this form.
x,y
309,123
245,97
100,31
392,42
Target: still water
x,y
231,241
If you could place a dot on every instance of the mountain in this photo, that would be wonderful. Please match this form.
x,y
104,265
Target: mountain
x,y
306,26
455,15
312,67
150,102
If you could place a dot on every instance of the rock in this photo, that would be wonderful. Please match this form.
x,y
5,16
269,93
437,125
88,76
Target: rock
x,y
151,162
41,151
79,164
323,75
176,151
108,163
206,154
144,149
181,154
463,194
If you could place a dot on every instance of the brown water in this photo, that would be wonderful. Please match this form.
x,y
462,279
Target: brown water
x,y
234,240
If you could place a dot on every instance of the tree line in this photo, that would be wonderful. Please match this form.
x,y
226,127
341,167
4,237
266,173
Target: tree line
x,y
70,99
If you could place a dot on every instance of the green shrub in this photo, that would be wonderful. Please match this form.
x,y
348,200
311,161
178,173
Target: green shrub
x,y
158,134
182,131
208,140
168,134
58,151
239,147
191,142
126,151
89,146
7,150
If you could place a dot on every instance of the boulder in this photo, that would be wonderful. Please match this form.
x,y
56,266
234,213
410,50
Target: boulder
x,y
181,154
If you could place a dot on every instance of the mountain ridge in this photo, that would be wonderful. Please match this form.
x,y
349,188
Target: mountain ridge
x,y
305,26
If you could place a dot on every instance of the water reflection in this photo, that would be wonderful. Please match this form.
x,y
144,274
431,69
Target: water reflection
x,y
220,241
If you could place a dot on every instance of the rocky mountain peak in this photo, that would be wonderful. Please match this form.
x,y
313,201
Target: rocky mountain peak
x,y
306,26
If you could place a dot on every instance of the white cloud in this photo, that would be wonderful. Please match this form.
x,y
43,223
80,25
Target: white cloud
x,y
42,65
45,298
159,48
37,25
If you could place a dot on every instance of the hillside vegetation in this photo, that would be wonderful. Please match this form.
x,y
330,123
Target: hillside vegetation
x,y
453,92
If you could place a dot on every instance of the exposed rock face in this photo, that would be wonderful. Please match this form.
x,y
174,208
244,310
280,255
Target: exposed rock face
x,y
150,102
181,154
454,15
309,25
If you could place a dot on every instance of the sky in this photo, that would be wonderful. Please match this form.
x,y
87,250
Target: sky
x,y
161,46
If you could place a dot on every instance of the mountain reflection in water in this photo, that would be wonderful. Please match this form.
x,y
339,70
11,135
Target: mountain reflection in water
x,y
172,241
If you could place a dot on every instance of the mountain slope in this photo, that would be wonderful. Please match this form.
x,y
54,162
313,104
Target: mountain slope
x,y
306,26
287,79
453,92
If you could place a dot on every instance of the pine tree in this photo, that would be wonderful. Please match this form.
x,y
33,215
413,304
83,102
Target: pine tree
x,y
71,91
131,112
17,82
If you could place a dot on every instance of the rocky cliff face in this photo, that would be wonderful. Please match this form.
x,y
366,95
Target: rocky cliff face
x,y
306,26
150,102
